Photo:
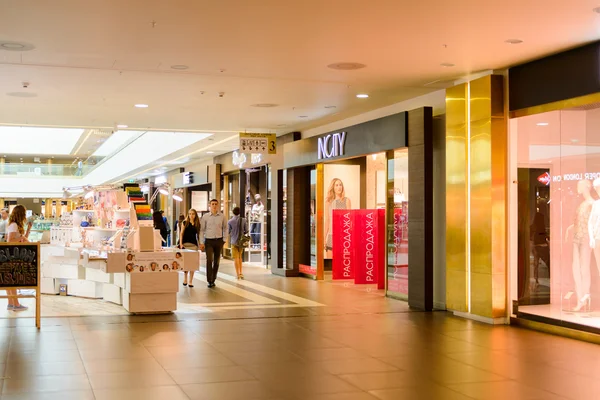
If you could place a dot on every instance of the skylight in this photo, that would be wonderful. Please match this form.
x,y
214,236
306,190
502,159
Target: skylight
x,y
115,142
145,149
38,141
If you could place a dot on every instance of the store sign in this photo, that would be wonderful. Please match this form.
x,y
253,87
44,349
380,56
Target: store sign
x,y
544,178
188,178
332,145
19,265
258,143
239,159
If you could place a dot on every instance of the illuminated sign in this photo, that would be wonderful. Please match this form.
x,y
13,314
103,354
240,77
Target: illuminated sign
x,y
188,178
239,159
332,145
544,178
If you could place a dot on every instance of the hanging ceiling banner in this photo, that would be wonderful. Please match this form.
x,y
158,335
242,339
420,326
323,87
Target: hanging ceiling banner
x,y
263,143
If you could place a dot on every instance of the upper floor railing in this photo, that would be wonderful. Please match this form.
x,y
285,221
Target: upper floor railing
x,y
37,170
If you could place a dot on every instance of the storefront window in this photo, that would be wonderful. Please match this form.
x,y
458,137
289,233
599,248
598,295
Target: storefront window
x,y
558,238
397,223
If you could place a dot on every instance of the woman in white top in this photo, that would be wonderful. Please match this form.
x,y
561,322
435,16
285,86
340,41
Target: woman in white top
x,y
15,233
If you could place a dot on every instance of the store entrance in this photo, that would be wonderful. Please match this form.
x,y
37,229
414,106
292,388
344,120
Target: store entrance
x,y
534,236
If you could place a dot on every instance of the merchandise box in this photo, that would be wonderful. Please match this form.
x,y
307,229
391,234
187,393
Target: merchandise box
x,y
112,293
191,260
152,282
149,303
83,288
119,279
96,275
47,286
116,262
144,238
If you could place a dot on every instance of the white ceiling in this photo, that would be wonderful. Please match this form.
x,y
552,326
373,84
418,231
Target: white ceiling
x,y
93,60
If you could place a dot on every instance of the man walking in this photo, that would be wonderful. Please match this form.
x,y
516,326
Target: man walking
x,y
213,228
3,224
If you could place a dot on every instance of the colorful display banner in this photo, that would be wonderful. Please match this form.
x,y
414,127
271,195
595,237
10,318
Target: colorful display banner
x,y
343,253
359,246
154,261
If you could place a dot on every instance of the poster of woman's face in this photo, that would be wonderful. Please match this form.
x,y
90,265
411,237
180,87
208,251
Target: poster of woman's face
x,y
341,192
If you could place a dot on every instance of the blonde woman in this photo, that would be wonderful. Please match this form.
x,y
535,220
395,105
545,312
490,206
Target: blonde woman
x,y
188,239
335,200
15,233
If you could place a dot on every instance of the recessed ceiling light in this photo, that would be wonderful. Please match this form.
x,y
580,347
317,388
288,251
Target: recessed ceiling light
x,y
302,116
330,106
513,41
574,140
447,65
542,124
264,105
141,105
26,95
346,66
121,126
210,152
15,46
179,67
362,96
281,125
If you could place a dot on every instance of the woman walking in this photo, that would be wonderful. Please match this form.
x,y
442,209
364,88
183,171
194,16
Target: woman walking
x,y
159,223
15,233
238,227
188,239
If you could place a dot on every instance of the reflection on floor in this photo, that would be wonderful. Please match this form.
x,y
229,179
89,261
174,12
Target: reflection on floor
x,y
555,311
359,346
260,291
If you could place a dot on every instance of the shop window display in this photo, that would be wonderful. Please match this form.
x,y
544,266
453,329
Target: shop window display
x,y
558,213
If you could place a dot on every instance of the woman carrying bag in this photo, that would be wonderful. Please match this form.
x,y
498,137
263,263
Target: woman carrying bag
x,y
239,239
188,239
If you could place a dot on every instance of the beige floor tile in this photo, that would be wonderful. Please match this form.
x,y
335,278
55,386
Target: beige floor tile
x,y
386,380
194,361
186,376
122,365
263,357
149,393
229,391
43,355
503,390
130,379
30,369
341,396
356,366
429,392
60,395
52,383
329,354
133,352
196,348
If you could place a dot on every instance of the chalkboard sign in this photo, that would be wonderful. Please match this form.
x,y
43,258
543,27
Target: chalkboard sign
x,y
19,265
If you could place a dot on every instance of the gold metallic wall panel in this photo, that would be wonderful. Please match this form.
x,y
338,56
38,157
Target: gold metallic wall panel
x,y
456,198
488,181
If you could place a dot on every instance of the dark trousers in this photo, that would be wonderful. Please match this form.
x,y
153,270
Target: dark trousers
x,y
213,248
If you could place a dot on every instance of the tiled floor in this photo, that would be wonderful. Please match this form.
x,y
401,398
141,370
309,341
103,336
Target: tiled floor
x,y
338,342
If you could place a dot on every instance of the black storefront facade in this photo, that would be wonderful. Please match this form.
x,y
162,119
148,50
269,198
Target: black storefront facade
x,y
390,166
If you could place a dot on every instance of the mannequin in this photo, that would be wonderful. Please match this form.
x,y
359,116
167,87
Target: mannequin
x,y
581,244
256,217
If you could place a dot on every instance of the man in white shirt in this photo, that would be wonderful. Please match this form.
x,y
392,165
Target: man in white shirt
x,y
213,228
3,224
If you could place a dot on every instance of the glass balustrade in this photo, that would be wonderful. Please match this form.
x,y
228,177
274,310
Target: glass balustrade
x,y
35,170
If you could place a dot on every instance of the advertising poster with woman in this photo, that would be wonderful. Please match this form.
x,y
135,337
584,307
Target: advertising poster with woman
x,y
341,192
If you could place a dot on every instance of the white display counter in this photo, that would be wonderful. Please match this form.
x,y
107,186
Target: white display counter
x,y
143,282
